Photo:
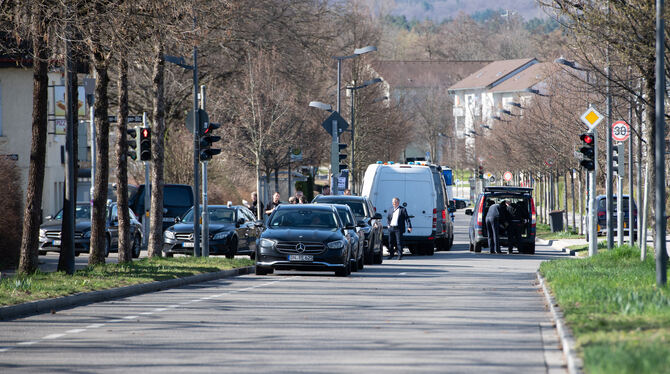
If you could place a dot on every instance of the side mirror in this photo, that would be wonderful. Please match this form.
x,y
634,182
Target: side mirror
x,y
240,221
177,219
377,216
468,212
259,223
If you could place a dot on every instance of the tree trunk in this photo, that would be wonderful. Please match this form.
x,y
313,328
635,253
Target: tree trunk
x,y
650,135
574,202
259,211
580,187
125,241
277,180
565,201
157,153
33,208
99,238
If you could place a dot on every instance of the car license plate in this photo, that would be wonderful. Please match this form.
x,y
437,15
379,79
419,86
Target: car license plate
x,y
301,258
56,242
187,244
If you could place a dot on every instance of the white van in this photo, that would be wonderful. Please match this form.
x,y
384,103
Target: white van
x,y
413,185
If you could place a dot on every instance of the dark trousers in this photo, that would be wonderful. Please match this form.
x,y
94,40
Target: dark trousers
x,y
493,231
514,234
395,241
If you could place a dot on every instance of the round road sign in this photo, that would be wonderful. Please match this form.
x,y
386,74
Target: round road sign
x,y
507,176
620,131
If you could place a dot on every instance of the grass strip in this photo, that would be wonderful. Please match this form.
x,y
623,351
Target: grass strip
x,y
543,231
38,286
620,318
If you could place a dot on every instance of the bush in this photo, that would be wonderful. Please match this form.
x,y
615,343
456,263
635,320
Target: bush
x,y
11,218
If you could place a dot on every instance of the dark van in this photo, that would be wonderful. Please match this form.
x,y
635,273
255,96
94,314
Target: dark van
x,y
177,199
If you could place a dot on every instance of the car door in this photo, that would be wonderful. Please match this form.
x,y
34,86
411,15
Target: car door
x,y
252,231
241,228
113,226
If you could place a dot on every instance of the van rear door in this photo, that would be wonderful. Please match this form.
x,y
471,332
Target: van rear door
x,y
420,199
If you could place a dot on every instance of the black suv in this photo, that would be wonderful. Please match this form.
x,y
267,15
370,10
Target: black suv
x,y
521,198
177,199
367,219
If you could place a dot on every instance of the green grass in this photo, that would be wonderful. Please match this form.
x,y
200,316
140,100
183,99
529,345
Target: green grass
x,y
24,288
620,318
543,231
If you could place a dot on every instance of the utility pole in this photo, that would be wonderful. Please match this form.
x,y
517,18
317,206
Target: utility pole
x,y
659,209
196,152
205,211
608,150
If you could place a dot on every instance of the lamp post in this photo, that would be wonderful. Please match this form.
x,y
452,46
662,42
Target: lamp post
x,y
353,89
334,150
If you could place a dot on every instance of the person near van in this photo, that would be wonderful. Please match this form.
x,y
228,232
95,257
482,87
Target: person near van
x,y
292,200
273,204
253,206
494,218
516,217
298,195
397,217
347,192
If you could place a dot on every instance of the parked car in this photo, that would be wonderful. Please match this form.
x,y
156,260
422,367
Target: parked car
x,y
232,230
355,237
305,237
521,196
601,211
368,221
177,199
415,186
50,231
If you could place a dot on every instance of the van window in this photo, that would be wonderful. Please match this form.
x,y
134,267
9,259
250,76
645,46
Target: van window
x,y
180,197
602,204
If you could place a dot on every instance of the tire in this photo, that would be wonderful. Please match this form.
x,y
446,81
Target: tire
x,y
106,250
261,270
413,249
252,255
233,249
169,255
369,255
429,249
471,247
528,249
353,265
344,271
361,263
478,247
137,246
451,243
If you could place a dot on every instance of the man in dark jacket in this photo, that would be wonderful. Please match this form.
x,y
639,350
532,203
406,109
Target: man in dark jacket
x,y
397,217
493,220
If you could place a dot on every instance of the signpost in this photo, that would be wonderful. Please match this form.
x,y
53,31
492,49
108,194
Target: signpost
x,y
507,176
591,118
335,124
620,131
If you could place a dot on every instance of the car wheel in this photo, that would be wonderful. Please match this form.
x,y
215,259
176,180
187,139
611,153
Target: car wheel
x,y
353,265
369,256
169,255
344,271
451,243
478,247
429,249
106,249
413,249
232,250
252,255
137,246
261,270
361,264
471,247
528,249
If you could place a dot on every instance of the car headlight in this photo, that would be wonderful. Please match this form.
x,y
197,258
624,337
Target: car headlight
x,y
336,244
221,235
267,243
43,232
169,234
86,234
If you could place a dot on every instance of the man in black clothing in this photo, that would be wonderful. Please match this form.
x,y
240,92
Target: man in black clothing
x,y
516,216
493,220
397,217
254,204
273,204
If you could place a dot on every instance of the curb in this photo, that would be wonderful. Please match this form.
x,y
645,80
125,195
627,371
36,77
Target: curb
x,y
575,364
571,252
64,302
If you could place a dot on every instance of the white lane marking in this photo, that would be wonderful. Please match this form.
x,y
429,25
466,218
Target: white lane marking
x,y
130,317
6,349
29,343
75,331
52,336
157,310
115,321
147,313
402,273
173,306
95,326
205,298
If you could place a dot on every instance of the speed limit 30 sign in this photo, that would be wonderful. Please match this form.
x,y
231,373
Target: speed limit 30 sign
x,y
620,131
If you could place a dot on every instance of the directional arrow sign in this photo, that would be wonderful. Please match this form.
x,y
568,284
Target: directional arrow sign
x,y
591,118
341,123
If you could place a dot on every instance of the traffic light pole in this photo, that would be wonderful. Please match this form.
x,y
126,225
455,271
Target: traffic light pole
x,y
619,201
593,217
196,154
147,193
205,215
334,158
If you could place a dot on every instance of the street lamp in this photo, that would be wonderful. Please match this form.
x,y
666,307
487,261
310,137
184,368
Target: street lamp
x,y
334,151
320,105
353,131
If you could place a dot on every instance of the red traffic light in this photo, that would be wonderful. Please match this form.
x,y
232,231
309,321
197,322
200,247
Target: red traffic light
x,y
587,138
145,132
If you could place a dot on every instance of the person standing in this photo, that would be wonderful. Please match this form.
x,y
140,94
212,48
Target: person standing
x,y
254,204
273,204
493,220
326,190
397,218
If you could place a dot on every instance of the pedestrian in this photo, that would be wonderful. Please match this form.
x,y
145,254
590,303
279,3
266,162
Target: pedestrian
x,y
493,221
397,218
298,195
292,200
347,192
302,200
254,204
325,190
273,204
516,218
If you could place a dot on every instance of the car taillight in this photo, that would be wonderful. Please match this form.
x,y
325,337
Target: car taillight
x,y
533,214
480,212
434,218
444,215
601,214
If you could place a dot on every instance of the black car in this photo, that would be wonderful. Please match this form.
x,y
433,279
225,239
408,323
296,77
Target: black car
x,y
50,231
304,237
521,198
355,236
232,230
367,219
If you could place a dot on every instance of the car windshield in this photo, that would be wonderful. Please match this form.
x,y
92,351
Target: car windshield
x,y
216,215
313,219
357,207
603,202
81,212
346,218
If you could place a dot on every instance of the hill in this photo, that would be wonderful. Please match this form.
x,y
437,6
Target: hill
x,y
439,10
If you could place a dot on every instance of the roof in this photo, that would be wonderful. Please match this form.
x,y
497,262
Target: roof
x,y
527,78
421,74
495,72
340,197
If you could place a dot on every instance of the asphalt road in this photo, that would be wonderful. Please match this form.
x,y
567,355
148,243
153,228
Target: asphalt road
x,y
453,312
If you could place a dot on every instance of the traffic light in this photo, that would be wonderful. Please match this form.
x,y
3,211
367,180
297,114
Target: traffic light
x,y
618,160
145,143
206,141
588,151
480,171
132,143
342,156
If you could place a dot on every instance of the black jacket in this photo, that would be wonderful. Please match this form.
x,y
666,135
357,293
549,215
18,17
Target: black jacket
x,y
402,218
495,211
